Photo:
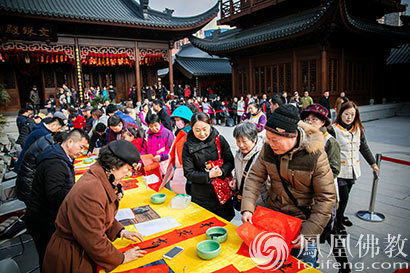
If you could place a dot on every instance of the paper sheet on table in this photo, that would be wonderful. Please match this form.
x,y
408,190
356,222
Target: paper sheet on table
x,y
123,214
155,226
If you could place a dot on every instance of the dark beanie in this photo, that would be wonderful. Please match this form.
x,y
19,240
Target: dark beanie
x,y
284,121
125,150
111,108
100,127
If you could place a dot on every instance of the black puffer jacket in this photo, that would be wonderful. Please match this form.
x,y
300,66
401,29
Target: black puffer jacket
x,y
53,179
25,126
194,156
28,166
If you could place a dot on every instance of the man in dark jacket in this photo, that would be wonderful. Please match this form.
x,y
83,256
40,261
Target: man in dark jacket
x,y
88,118
35,99
45,127
53,179
24,124
112,92
324,101
98,135
158,107
180,91
28,166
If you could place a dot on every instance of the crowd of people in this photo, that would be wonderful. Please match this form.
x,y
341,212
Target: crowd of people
x,y
290,158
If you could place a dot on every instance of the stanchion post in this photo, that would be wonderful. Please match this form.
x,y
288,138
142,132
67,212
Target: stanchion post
x,y
371,215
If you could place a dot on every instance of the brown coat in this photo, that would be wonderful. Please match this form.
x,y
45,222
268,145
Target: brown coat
x,y
307,170
85,227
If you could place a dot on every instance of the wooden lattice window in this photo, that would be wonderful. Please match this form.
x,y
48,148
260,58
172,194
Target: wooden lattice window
x,y
309,76
332,74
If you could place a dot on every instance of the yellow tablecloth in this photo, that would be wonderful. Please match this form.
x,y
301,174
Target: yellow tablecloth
x,y
188,260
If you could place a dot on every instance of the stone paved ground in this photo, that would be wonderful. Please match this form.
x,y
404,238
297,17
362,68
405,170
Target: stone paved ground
x,y
387,136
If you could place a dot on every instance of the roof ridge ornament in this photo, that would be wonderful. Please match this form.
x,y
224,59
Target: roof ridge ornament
x,y
144,4
168,12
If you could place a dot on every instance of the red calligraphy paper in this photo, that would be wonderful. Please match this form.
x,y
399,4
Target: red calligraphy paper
x,y
244,250
177,235
130,183
228,269
271,221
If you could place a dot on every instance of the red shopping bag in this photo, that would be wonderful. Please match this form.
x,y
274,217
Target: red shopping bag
x,y
221,186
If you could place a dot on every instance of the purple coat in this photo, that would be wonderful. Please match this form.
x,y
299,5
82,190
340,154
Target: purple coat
x,y
259,119
159,143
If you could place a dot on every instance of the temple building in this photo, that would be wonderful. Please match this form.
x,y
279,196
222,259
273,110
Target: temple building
x,y
310,45
84,43
198,69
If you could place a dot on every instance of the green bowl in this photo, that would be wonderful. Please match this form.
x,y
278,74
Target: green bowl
x,y
158,198
208,249
88,160
218,234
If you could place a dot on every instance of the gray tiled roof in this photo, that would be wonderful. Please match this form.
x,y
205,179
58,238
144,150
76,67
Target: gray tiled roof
x,y
106,11
203,66
375,27
199,63
237,38
286,27
400,55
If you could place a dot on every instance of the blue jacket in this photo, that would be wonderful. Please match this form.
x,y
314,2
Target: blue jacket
x,y
125,117
39,131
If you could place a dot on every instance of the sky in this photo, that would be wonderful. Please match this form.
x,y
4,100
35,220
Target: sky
x,y
183,8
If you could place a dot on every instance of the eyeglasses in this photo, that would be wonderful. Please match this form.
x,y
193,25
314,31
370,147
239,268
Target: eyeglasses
x,y
308,120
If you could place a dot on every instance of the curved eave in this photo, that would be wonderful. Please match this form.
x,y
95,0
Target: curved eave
x,y
361,26
251,40
180,62
170,23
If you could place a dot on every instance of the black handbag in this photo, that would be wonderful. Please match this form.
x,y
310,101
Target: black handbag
x,y
237,198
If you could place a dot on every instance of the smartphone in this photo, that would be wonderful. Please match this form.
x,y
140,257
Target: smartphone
x,y
173,252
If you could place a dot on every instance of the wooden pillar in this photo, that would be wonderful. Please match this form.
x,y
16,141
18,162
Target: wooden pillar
x,y
137,72
294,72
78,71
324,69
251,79
171,72
234,80
342,72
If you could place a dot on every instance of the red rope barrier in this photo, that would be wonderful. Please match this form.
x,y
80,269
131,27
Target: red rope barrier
x,y
398,161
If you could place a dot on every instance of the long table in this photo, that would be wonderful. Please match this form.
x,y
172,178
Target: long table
x,y
188,260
